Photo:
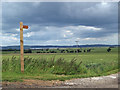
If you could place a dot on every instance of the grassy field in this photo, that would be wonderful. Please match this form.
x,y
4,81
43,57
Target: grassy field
x,y
64,66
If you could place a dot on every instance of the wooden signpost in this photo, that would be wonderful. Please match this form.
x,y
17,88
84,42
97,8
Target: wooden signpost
x,y
21,45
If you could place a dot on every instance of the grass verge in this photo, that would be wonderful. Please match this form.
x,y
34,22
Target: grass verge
x,y
53,69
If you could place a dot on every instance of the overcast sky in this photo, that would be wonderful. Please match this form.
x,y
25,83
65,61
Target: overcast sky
x,y
62,23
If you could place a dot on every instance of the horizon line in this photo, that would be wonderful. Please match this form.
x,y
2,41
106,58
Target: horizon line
x,y
58,45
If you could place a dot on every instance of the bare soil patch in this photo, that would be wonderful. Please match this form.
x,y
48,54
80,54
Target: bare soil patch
x,y
110,81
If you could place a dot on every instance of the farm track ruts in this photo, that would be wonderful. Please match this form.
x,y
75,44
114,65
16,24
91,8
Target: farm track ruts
x,y
110,81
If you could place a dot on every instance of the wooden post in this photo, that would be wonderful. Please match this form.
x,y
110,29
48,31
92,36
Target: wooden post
x,y
21,47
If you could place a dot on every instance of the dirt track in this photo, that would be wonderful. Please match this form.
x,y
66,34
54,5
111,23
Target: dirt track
x,y
110,81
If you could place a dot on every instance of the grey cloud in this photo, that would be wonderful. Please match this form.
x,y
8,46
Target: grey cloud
x,y
60,15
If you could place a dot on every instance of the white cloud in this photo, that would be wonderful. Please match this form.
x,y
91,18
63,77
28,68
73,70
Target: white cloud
x,y
14,35
71,33
36,4
90,28
64,35
18,29
57,40
82,27
28,34
9,39
68,31
67,35
104,3
89,39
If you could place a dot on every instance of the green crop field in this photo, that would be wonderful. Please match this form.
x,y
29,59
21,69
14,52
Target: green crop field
x,y
60,66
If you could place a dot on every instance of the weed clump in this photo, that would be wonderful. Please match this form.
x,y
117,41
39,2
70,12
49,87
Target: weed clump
x,y
42,65
56,66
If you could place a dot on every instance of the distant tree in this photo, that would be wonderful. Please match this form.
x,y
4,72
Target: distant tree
x,y
47,49
84,50
88,50
112,47
79,50
109,49
10,49
53,52
71,51
28,51
67,51
15,50
62,51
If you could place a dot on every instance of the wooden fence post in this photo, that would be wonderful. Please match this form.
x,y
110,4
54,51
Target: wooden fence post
x,y
21,47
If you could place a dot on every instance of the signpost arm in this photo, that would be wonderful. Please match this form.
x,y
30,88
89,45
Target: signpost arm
x,y
21,47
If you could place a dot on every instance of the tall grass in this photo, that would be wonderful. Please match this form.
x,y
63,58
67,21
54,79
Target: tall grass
x,y
56,66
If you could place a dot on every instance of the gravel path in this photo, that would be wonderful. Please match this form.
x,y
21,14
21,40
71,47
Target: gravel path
x,y
110,81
